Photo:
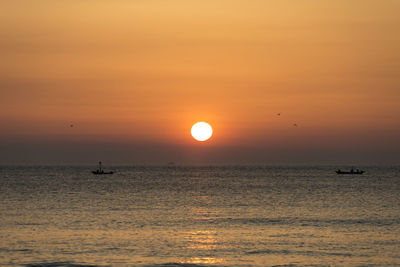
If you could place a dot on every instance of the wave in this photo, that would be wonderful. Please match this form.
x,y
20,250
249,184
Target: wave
x,y
16,250
173,264
62,264
70,264
306,222
287,252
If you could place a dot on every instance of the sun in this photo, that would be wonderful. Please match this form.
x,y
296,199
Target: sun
x,y
201,131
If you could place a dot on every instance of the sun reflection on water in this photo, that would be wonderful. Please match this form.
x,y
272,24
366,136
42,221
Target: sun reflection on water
x,y
203,242
203,260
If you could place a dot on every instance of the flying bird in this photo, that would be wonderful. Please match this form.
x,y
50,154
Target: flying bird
x,y
294,124
71,125
278,114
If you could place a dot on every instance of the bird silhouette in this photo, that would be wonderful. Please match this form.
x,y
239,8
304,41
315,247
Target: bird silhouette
x,y
294,124
278,114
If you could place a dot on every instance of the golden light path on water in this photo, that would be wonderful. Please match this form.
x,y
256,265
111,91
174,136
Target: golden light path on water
x,y
204,240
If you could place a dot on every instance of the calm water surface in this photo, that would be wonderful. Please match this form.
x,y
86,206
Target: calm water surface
x,y
199,216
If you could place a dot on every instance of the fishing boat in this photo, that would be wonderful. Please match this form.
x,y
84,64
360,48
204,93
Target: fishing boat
x,y
101,171
352,171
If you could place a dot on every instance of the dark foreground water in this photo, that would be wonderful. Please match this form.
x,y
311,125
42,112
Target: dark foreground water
x,y
199,216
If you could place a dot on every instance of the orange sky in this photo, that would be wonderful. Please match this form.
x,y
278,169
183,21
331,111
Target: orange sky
x,y
142,72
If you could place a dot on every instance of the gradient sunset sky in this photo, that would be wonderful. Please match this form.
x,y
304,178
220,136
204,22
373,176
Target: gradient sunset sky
x,y
134,76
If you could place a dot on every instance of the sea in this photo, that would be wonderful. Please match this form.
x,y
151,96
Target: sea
x,y
199,216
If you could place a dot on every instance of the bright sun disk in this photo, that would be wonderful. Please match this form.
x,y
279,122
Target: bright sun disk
x,y
201,131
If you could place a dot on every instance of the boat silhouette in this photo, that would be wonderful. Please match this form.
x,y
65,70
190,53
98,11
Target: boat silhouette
x,y
101,171
352,171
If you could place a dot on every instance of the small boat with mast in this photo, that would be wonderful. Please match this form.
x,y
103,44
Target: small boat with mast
x,y
352,171
101,171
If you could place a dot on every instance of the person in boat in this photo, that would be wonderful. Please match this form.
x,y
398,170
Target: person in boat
x,y
338,170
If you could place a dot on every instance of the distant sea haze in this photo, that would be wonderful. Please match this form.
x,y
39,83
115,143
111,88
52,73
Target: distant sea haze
x,y
70,152
199,216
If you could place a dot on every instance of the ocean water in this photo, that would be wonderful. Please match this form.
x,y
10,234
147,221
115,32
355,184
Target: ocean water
x,y
199,216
